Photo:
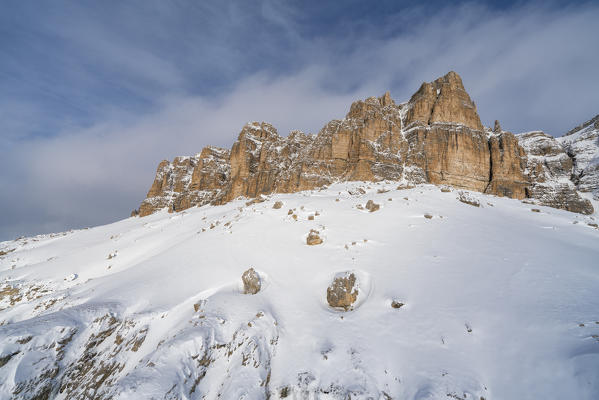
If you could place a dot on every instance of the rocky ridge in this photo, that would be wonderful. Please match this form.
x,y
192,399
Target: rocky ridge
x,y
436,137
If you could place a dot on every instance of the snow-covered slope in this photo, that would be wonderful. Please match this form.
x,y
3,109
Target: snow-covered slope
x,y
501,302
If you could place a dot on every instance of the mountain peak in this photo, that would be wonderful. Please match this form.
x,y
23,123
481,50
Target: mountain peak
x,y
443,100
386,99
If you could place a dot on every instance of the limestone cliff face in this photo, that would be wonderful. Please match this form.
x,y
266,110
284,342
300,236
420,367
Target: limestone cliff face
x,y
436,137
456,156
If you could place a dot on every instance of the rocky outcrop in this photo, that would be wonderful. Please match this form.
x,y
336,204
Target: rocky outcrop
x,y
436,137
582,145
548,169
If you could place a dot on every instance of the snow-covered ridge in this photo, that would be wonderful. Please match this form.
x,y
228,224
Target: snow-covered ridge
x,y
491,290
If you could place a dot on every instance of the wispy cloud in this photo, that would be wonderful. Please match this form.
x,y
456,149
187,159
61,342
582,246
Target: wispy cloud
x,y
111,92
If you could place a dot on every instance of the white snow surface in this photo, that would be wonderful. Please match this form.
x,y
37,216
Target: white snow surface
x,y
500,302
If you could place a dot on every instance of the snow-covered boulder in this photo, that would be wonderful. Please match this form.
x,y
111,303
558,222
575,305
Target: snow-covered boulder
x,y
343,291
251,281
467,198
372,206
313,238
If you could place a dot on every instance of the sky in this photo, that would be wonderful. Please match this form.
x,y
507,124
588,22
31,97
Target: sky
x,y
93,95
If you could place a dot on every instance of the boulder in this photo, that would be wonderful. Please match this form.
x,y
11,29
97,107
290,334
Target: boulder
x,y
251,281
372,206
313,238
397,304
467,198
343,291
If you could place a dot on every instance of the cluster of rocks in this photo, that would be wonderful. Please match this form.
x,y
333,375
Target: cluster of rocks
x,y
436,137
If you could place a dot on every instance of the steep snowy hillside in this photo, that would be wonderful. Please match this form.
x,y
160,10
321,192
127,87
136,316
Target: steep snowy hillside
x,y
461,295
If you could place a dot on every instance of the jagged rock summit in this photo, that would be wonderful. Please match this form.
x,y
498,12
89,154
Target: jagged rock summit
x,y
443,101
436,137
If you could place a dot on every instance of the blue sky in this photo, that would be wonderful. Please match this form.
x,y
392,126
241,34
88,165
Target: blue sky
x,y
94,94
